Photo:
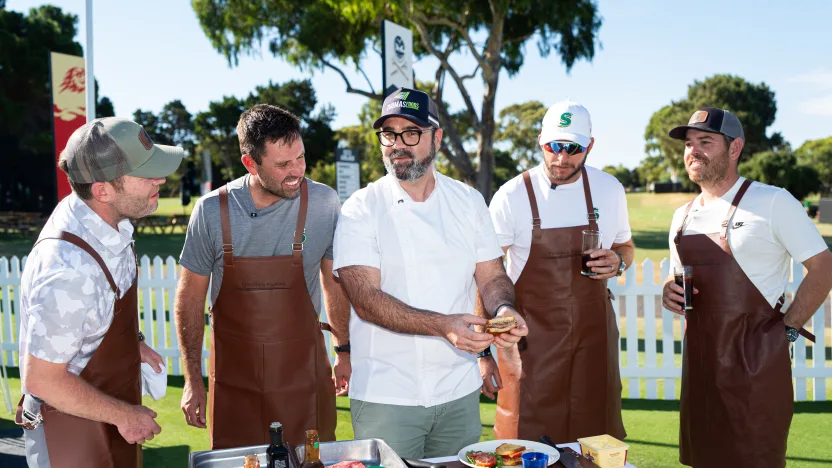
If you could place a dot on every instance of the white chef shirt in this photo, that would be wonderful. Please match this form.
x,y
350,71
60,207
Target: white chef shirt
x,y
426,252
564,206
769,227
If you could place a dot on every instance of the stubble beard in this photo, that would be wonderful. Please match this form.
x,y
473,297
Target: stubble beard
x,y
413,171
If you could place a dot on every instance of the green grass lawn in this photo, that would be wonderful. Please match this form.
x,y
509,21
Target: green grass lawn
x,y
652,430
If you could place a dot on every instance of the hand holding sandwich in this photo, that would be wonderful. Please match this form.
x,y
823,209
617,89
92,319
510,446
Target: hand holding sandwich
x,y
457,329
507,327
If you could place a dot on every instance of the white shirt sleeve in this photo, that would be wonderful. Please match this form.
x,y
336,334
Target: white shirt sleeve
x,y
793,228
59,302
674,255
502,218
624,233
355,240
488,248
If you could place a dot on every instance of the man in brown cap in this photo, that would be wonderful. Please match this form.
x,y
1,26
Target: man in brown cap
x,y
739,237
80,344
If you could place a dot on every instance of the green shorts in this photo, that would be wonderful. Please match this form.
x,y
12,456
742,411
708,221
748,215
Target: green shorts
x,y
416,432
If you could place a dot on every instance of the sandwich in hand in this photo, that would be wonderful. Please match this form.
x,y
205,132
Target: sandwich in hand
x,y
511,454
500,325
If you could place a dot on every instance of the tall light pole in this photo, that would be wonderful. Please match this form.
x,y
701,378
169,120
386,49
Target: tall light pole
x,y
90,77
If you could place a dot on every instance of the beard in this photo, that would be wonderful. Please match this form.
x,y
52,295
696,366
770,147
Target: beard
x,y
133,206
412,170
277,189
577,168
713,172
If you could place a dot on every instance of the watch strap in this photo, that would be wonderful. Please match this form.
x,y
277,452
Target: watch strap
x,y
342,349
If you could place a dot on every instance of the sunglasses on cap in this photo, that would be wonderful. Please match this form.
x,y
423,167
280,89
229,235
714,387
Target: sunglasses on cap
x,y
570,148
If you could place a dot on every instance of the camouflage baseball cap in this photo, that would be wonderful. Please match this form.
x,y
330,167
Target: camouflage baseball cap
x,y
108,148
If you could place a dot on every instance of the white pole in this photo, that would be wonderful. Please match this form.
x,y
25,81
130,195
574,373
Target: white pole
x,y
90,76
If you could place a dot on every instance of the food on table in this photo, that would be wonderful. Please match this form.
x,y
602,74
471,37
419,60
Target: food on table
x,y
499,325
511,454
251,461
484,459
348,464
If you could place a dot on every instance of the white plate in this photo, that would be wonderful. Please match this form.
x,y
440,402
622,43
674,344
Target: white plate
x,y
491,446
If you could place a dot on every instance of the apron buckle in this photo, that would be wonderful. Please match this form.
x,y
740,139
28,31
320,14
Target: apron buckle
x,y
28,420
297,246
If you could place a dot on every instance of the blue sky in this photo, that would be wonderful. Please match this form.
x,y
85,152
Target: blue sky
x,y
150,52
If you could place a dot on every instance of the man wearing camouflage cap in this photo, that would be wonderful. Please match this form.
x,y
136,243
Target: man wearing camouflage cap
x,y
80,345
740,238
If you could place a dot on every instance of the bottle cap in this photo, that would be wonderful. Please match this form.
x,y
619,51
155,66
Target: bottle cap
x,y
276,426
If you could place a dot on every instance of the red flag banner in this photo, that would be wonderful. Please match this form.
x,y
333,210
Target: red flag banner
x,y
69,106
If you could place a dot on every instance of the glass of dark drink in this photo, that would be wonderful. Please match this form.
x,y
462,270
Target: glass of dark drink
x,y
684,278
591,242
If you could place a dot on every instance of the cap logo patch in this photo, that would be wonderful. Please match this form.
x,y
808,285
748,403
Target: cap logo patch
x,y
565,119
403,95
405,104
698,117
144,138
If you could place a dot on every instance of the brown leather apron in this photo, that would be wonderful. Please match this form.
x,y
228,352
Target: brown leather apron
x,y
737,400
565,381
268,359
113,369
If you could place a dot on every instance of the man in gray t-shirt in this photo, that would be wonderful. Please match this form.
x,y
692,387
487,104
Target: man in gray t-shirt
x,y
263,214
261,232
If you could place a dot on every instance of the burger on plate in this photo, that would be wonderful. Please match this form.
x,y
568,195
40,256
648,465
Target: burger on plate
x,y
511,454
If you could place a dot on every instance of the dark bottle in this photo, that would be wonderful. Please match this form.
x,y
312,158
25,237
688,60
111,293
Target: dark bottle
x,y
277,454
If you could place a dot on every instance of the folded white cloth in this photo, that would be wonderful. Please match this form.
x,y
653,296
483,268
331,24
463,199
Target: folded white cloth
x,y
154,384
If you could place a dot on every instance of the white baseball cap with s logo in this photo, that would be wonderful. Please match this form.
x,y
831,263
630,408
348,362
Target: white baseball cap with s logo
x,y
566,121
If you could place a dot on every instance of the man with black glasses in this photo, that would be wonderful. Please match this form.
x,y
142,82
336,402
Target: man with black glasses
x,y
411,249
563,379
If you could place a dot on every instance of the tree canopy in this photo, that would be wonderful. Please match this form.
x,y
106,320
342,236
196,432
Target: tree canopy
x,y
26,141
333,34
818,154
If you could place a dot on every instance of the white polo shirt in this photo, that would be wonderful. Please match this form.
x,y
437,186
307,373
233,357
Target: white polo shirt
x,y
769,227
427,252
564,206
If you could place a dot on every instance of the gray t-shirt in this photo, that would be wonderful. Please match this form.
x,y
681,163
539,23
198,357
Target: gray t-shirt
x,y
261,233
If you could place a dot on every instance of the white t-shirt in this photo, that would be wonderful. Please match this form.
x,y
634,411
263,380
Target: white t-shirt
x,y
562,207
427,253
769,227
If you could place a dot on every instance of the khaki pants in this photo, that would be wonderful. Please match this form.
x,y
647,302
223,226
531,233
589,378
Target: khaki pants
x,y
416,432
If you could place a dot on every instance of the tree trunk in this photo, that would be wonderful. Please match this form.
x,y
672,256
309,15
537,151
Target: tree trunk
x,y
485,140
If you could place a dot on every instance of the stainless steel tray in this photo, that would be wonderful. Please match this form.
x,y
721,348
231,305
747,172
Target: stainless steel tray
x,y
367,451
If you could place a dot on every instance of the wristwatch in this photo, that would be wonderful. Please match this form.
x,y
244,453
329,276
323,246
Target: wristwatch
x,y
484,353
622,266
343,348
791,334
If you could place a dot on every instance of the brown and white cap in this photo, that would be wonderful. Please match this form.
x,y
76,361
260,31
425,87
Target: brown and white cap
x,y
108,148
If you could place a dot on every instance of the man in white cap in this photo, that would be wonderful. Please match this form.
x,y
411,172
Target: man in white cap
x,y
569,386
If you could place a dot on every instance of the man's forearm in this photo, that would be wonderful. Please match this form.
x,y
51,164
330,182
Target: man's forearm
x,y
337,309
71,394
377,307
809,296
495,292
190,329
627,251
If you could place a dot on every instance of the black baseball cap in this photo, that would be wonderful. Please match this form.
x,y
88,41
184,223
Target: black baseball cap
x,y
711,120
415,106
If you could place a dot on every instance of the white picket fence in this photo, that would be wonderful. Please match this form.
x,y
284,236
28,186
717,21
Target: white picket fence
x,y
638,304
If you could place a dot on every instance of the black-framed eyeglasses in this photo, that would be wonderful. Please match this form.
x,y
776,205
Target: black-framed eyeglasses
x,y
409,137
570,148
